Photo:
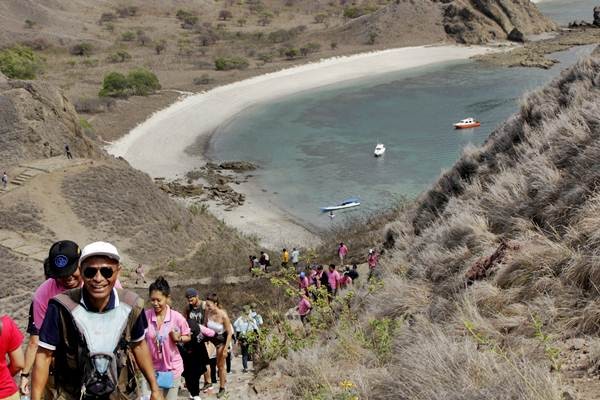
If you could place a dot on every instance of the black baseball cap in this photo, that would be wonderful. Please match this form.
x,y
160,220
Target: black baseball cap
x,y
62,259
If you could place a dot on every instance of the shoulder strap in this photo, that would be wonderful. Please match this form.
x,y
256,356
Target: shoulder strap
x,y
136,303
69,299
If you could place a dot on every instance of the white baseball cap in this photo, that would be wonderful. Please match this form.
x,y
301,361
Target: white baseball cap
x,y
99,249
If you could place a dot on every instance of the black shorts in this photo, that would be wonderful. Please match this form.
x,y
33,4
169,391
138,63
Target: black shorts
x,y
219,339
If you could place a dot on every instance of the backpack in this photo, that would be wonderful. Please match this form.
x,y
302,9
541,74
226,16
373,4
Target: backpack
x,y
94,356
324,279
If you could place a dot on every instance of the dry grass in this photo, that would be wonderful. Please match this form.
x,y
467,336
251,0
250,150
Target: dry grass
x,y
534,183
118,202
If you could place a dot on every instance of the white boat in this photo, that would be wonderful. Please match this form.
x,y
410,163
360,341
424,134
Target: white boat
x,y
348,203
379,150
467,123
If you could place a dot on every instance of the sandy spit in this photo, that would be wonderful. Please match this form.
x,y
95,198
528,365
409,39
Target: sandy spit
x,y
157,146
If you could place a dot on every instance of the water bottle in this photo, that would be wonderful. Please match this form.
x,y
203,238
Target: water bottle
x,y
24,397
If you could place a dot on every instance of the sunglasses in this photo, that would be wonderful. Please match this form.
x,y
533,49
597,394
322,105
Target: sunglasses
x,y
90,272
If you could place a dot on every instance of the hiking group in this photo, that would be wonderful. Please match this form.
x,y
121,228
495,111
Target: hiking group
x,y
91,339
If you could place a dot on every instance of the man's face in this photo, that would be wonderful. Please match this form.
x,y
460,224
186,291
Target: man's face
x,y
193,301
72,281
99,275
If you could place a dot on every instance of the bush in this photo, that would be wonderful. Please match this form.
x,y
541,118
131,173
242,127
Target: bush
x,y
353,12
119,57
19,62
37,44
265,18
94,106
160,46
81,49
229,63
29,24
203,79
225,15
138,82
142,82
115,84
129,11
128,36
107,17
320,18
292,53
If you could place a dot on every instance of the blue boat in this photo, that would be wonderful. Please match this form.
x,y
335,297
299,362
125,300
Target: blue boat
x,y
348,203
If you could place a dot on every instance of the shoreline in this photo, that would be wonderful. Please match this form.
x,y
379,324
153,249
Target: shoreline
x,y
160,146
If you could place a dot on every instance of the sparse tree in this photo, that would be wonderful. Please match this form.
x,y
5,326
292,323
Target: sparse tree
x,y
225,15
128,36
265,18
142,38
81,49
320,18
29,24
160,46
107,17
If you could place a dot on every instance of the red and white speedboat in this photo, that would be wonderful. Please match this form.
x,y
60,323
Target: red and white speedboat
x,y
467,123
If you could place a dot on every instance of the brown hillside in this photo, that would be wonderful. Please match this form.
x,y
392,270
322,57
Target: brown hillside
x,y
491,290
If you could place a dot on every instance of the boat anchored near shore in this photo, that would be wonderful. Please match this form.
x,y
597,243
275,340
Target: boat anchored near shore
x,y
467,123
379,150
348,203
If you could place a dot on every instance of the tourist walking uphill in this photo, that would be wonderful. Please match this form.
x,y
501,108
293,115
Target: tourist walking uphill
x,y
166,329
4,180
10,349
195,310
218,320
243,326
295,258
85,329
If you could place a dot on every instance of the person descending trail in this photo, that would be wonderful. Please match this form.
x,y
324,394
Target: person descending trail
x,y
285,258
218,320
372,261
342,251
303,282
139,274
10,349
68,152
4,180
166,329
295,257
243,326
304,307
115,316
333,278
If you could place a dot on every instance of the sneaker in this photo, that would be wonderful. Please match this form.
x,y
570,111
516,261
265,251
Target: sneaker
x,y
221,393
196,398
207,387
245,370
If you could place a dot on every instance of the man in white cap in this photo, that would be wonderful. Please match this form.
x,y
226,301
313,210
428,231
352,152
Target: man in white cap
x,y
84,331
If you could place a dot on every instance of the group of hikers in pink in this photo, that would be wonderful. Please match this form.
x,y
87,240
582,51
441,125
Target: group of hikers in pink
x,y
83,324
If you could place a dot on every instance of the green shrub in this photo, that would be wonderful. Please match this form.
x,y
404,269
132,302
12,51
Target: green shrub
x,y
128,36
20,62
81,49
142,82
119,57
353,12
229,63
115,84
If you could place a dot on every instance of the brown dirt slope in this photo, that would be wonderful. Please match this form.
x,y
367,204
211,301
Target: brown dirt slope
x,y
37,120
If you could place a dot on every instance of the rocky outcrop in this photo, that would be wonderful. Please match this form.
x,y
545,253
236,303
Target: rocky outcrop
x,y
36,121
480,21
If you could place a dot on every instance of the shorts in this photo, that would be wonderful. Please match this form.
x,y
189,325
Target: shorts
x,y
219,339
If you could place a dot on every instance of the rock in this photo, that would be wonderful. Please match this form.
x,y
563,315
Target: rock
x,y
597,16
238,165
568,396
3,81
516,36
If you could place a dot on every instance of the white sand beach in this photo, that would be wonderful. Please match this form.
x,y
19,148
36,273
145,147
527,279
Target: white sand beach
x,y
157,146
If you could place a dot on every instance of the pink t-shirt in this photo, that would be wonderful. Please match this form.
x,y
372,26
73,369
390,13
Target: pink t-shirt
x,y
372,260
343,250
303,283
303,306
164,351
10,340
47,290
334,278
345,280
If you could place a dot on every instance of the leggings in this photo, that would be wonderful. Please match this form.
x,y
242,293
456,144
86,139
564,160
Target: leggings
x,y
213,370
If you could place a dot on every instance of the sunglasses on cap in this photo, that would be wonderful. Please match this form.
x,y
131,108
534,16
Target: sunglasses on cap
x,y
90,272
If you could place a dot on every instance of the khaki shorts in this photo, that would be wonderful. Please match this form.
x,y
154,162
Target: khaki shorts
x,y
15,396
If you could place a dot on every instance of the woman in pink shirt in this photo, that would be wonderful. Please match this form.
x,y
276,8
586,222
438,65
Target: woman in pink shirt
x,y
342,251
10,345
304,307
166,329
334,279
303,282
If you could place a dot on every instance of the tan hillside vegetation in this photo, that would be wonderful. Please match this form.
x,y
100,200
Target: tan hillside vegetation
x,y
196,45
491,290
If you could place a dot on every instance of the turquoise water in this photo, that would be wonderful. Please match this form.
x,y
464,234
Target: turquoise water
x,y
565,11
315,148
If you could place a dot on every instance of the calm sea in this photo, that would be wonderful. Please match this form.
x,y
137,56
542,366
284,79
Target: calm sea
x,y
316,148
